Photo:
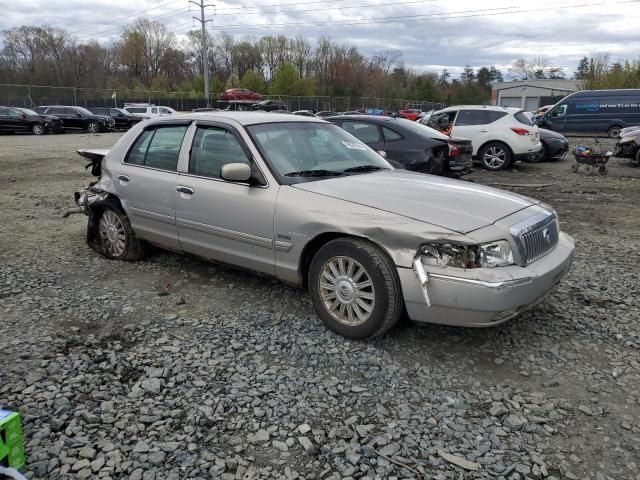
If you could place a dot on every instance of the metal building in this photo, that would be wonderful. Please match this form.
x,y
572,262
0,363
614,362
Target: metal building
x,y
532,94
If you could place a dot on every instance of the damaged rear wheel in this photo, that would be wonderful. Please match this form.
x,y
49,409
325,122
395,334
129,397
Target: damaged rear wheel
x,y
116,239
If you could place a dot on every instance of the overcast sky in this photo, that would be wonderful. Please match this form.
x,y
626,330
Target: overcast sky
x,y
432,34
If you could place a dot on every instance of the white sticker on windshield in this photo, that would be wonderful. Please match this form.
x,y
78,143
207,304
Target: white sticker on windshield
x,y
354,146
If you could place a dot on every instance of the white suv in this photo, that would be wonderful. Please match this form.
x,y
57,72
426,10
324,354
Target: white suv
x,y
146,110
500,135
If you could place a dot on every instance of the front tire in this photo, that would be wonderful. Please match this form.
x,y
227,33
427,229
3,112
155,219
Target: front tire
x,y
116,239
355,288
93,127
38,129
614,132
495,156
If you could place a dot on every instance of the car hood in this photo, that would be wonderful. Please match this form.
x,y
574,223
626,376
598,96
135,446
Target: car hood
x,y
456,205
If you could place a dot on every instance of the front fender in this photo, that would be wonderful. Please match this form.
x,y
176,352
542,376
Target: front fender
x,y
302,217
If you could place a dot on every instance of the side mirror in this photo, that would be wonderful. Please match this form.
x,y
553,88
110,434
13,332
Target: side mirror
x,y
382,153
236,172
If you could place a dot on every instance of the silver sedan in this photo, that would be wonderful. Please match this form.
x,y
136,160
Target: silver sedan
x,y
302,200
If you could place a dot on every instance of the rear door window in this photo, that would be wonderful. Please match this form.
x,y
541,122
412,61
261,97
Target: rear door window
x,y
136,109
390,135
471,117
365,132
493,116
158,148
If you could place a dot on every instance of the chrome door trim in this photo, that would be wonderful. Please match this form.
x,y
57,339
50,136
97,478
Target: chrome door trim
x,y
158,217
226,233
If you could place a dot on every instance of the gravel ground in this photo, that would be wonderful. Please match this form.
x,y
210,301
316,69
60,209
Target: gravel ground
x,y
176,368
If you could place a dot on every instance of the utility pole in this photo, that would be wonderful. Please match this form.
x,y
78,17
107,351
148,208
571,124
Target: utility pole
x,y
205,54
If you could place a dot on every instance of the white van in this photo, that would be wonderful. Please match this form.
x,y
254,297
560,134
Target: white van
x,y
147,110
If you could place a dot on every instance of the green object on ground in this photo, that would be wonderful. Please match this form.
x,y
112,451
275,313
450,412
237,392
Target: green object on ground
x,y
11,440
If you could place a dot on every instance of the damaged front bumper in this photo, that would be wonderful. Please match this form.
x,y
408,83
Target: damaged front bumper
x,y
482,297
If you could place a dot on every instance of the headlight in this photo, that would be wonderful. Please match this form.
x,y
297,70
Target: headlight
x,y
496,254
488,255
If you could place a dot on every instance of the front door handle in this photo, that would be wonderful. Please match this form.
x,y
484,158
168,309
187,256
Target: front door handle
x,y
483,131
123,178
183,189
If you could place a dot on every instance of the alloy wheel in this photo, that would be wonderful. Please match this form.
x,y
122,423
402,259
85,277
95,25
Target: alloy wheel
x,y
112,233
495,157
93,127
347,291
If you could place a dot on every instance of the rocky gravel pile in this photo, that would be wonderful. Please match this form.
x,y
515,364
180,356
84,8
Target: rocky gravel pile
x,y
174,368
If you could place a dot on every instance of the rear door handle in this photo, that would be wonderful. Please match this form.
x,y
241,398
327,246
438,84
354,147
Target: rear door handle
x,y
123,178
484,131
183,189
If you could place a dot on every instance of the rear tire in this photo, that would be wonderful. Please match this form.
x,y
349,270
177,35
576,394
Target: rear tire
x,y
614,132
495,156
603,170
38,129
588,169
115,237
355,288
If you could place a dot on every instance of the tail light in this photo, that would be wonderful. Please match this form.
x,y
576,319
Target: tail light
x,y
453,150
520,131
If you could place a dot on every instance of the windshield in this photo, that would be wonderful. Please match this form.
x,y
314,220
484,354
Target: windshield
x,y
83,110
310,150
27,111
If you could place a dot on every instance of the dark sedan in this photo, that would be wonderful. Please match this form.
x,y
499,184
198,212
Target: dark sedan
x,y
554,146
122,119
77,118
270,105
14,120
413,146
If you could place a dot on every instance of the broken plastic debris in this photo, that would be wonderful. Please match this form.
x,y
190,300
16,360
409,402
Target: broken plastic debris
x,y
459,461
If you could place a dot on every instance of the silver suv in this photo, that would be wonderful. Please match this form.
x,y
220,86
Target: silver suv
x,y
302,200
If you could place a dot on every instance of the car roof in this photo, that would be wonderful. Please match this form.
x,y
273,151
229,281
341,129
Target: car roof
x,y
495,108
370,118
252,117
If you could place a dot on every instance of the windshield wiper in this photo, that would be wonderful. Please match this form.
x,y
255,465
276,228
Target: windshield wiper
x,y
315,173
364,168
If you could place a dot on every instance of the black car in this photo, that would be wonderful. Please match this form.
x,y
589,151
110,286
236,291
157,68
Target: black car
x,y
269,105
554,146
409,144
121,118
15,119
78,118
326,113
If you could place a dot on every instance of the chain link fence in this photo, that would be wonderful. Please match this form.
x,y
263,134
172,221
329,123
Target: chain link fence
x,y
29,96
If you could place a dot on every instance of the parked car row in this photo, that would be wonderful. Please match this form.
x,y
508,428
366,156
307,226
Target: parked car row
x,y
63,118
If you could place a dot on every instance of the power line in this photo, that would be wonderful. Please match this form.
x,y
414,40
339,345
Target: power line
x,y
118,29
351,7
123,18
418,18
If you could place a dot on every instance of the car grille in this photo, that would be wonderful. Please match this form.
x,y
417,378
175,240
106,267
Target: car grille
x,y
536,236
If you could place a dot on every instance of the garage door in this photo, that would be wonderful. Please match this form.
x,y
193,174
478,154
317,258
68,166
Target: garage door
x,y
511,102
531,104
